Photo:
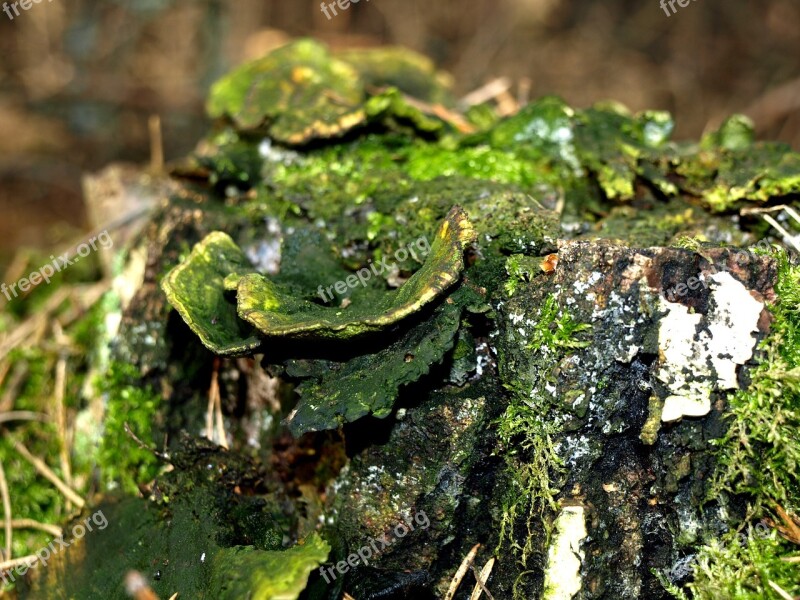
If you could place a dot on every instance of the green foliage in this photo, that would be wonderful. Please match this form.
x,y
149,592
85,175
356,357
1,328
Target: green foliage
x,y
728,569
532,464
760,453
759,457
122,461
527,433
519,268
554,330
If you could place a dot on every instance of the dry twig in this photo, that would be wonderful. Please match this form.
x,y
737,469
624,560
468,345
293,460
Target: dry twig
x,y
780,591
214,410
6,511
48,474
61,412
156,144
482,578
27,561
23,415
462,570
53,530
489,91
16,379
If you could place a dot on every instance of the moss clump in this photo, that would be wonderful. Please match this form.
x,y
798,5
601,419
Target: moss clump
x,y
528,436
759,456
765,418
31,384
739,567
123,463
519,268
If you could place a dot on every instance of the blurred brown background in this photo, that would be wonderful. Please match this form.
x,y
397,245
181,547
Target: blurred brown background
x,y
79,80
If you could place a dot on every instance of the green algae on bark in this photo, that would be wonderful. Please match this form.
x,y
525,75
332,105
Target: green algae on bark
x,y
206,520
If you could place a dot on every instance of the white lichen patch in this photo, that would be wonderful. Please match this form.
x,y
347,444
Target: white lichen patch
x,y
700,353
562,580
677,407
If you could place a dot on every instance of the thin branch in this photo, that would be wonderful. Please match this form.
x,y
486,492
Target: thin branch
x,y
780,591
162,455
6,510
788,238
26,561
486,92
791,559
61,412
481,579
524,91
26,329
462,570
211,404
156,144
23,415
14,382
4,368
53,530
48,474
214,411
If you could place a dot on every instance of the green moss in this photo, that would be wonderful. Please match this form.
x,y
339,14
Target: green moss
x,y
481,162
760,453
742,567
123,463
532,465
758,458
556,329
31,495
244,572
231,159
519,268
182,539
528,434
